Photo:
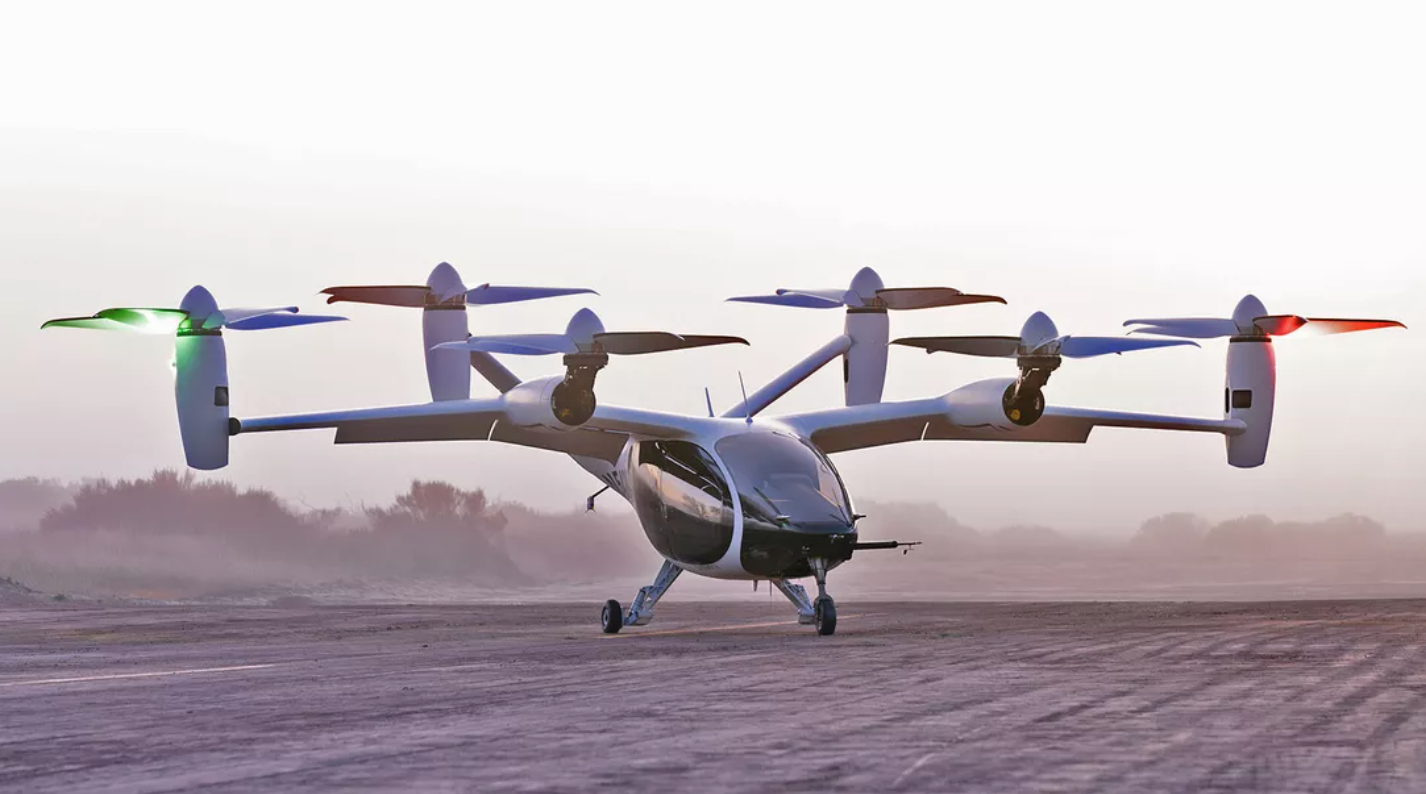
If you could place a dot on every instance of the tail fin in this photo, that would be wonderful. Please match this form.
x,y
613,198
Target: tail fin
x,y
1248,396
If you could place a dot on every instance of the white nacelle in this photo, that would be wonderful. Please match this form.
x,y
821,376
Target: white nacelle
x,y
981,404
1249,394
201,385
447,371
528,404
865,372
869,329
201,391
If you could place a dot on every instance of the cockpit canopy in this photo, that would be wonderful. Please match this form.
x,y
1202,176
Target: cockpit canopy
x,y
785,483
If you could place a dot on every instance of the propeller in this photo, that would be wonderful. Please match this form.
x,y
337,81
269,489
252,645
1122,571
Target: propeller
x,y
200,360
586,348
198,313
585,335
1039,337
445,288
1251,319
867,293
443,301
1037,352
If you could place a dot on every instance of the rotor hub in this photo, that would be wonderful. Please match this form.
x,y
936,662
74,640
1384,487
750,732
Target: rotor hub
x,y
1244,314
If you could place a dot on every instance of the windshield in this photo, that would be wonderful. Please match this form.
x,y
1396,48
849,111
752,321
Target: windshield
x,y
782,480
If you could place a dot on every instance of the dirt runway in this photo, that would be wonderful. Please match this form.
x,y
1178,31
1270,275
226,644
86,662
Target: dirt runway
x,y
1289,697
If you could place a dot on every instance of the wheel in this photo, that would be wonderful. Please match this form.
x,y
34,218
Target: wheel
x,y
612,617
825,616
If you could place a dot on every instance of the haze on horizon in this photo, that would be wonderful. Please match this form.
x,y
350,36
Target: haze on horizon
x,y
1099,162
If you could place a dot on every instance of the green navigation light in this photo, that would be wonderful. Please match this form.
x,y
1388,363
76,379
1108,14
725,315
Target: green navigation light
x,y
144,321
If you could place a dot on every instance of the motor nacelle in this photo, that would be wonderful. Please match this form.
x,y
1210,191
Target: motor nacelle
x,y
558,403
572,399
1037,351
982,404
1024,400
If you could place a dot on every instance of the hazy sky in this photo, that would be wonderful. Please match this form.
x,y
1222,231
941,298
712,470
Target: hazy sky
x,y
1098,161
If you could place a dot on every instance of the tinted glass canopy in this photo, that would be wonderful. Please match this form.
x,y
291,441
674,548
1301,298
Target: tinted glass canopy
x,y
783,482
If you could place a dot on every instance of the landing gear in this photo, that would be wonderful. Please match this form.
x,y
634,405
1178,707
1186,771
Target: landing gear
x,y
613,618
824,611
821,613
797,594
826,617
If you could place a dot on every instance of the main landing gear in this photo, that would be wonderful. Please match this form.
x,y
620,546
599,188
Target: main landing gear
x,y
822,612
612,617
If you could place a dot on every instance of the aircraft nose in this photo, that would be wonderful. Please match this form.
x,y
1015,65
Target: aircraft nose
x,y
831,526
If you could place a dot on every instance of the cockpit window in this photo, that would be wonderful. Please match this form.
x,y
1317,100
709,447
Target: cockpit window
x,y
784,481
683,504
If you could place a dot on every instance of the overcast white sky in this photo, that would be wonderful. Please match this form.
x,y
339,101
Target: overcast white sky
x,y
1095,160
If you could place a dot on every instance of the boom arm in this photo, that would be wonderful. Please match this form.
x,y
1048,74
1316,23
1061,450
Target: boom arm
x,y
789,380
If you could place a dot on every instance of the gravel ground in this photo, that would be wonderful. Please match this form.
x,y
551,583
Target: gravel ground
x,y
1094,697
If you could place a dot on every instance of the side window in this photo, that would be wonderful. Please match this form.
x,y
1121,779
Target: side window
x,y
684,504
689,480
1242,399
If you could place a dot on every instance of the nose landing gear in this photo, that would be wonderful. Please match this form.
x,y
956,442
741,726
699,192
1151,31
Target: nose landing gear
x,y
821,613
824,610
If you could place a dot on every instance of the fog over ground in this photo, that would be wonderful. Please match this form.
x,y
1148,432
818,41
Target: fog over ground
x,y
1100,161
175,537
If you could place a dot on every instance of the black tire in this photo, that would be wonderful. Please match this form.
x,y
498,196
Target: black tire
x,y
612,617
825,614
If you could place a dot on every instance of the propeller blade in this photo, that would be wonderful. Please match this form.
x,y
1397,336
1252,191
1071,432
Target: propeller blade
x,y
226,317
1089,346
1187,327
909,298
411,296
988,346
1279,324
634,343
516,344
144,321
262,322
486,295
88,323
793,299
1330,325
839,295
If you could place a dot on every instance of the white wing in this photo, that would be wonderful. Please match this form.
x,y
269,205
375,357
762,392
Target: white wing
x,y
973,414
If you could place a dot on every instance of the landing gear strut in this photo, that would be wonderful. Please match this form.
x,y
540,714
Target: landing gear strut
x,y
613,618
822,612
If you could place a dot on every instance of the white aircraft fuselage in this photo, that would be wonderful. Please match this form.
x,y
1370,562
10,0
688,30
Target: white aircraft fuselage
x,y
735,499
